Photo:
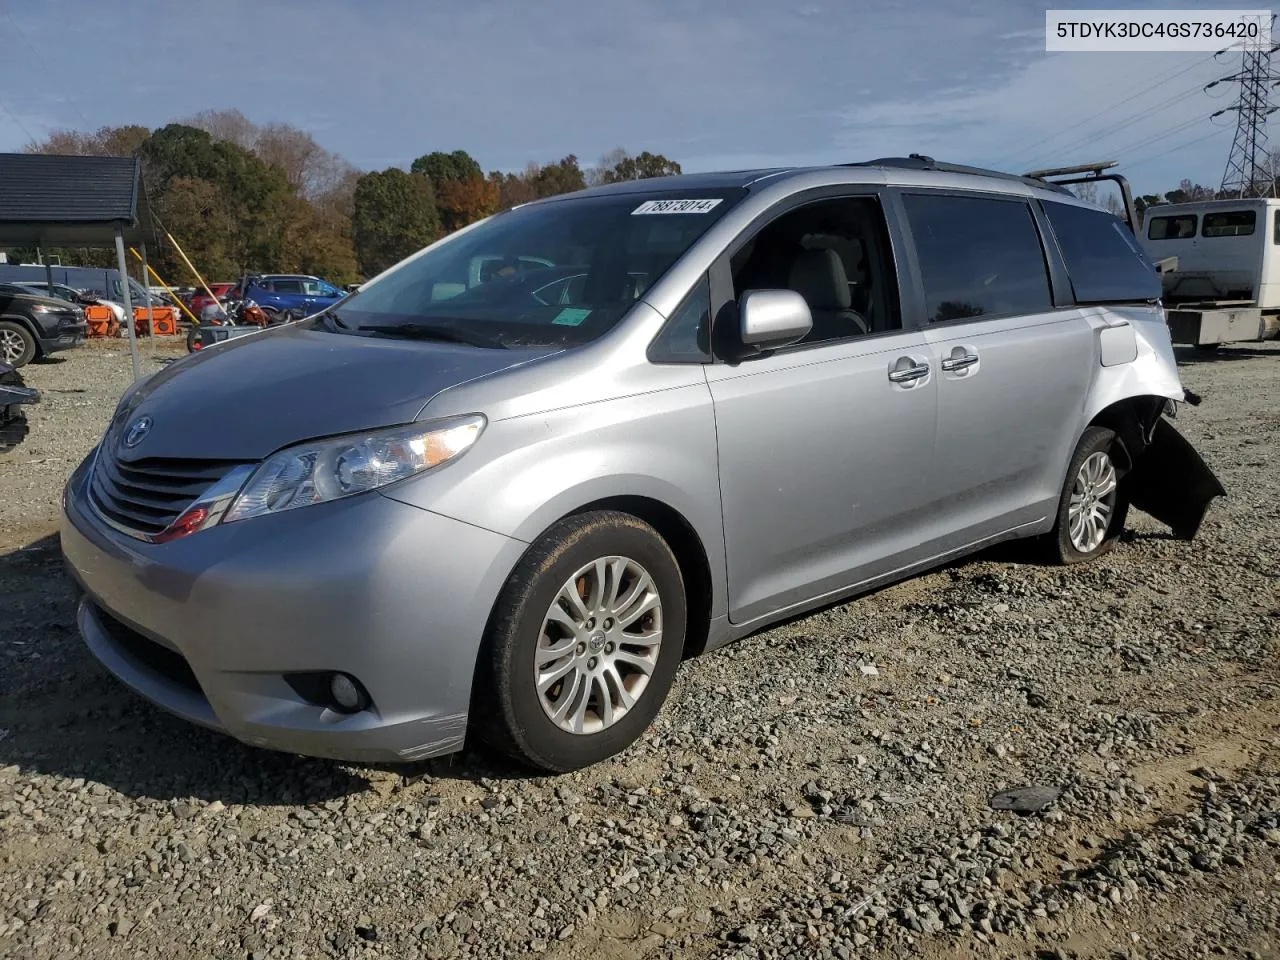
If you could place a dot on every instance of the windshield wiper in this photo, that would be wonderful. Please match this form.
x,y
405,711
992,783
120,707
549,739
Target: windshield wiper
x,y
426,331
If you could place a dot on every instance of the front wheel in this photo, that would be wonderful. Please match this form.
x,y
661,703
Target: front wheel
x,y
17,345
583,644
1092,508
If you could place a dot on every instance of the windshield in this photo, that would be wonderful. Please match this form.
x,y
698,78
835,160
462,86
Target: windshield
x,y
559,274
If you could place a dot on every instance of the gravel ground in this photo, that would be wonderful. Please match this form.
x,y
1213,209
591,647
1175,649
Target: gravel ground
x,y
821,789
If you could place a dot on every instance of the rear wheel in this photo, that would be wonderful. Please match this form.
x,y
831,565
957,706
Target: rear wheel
x,y
17,345
583,645
1092,508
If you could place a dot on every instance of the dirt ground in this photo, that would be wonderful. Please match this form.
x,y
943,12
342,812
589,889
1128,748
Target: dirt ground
x,y
820,789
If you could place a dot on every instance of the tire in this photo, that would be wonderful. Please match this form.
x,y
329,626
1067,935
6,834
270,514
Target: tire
x,y
193,339
1090,465
17,345
510,713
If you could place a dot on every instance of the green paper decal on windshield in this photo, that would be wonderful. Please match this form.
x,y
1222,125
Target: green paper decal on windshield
x,y
571,316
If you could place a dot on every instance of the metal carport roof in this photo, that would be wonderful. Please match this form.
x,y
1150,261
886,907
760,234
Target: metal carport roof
x,y
50,200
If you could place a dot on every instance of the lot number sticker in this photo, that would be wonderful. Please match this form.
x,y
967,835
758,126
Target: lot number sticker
x,y
674,206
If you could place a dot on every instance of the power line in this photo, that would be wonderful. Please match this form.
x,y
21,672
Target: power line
x,y
1161,81
1125,122
1164,153
21,126
39,59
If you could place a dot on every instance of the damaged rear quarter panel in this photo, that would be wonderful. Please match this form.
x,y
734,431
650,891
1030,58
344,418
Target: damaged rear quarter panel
x,y
1168,479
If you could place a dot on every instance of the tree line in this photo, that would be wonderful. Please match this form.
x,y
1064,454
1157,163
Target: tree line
x,y
242,197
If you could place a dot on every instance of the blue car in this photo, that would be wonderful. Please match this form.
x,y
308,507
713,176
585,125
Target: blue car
x,y
279,292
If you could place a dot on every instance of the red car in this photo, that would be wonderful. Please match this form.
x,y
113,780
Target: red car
x,y
200,299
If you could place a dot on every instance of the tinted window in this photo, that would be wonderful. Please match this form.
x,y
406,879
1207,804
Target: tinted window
x,y
556,273
1172,228
687,335
286,286
1236,223
1275,236
978,256
1103,259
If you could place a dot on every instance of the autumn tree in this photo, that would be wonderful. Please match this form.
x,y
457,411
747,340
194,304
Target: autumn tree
x,y
394,215
229,125
463,202
104,142
620,166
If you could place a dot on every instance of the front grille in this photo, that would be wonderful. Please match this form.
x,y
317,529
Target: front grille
x,y
167,663
145,496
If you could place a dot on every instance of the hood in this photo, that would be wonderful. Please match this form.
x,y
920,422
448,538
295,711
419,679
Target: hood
x,y
39,298
248,397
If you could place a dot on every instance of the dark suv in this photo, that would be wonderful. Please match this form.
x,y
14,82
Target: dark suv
x,y
34,326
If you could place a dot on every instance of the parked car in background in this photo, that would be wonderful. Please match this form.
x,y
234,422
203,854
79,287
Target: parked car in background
x,y
276,292
426,512
101,281
79,297
200,299
33,326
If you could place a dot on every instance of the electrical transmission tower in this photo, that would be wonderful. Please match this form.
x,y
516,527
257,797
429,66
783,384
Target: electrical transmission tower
x,y
1250,171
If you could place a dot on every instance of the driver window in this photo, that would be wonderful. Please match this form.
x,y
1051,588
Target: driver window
x,y
834,253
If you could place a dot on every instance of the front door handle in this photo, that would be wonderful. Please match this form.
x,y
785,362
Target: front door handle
x,y
959,362
905,374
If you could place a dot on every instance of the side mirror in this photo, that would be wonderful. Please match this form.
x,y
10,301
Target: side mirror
x,y
768,319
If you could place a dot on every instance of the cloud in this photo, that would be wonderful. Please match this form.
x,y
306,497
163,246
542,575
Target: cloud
x,y
708,82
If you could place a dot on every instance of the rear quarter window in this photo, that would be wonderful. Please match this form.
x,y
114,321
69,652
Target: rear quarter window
x,y
1103,259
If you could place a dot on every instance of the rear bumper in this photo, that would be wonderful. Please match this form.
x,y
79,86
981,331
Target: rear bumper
x,y
212,626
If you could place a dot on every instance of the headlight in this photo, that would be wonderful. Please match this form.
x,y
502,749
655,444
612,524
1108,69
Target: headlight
x,y
45,308
344,466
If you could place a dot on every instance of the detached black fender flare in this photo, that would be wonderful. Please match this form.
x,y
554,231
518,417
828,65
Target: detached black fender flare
x,y
1161,472
1170,481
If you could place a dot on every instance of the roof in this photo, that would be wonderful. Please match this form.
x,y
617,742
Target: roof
x,y
69,200
915,169
1170,209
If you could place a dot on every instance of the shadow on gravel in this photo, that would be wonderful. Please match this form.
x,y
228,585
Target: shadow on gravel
x,y
1190,355
63,716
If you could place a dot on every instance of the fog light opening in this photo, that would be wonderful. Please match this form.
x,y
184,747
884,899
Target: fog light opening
x,y
347,694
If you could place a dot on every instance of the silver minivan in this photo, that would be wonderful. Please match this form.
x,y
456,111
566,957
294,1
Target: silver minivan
x,y
507,486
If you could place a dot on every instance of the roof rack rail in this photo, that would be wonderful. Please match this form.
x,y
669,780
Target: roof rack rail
x,y
1061,177
918,161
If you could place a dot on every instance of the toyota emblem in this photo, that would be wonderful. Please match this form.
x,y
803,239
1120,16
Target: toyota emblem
x,y
137,432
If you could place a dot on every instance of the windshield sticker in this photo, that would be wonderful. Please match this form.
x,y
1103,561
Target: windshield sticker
x,y
571,316
675,206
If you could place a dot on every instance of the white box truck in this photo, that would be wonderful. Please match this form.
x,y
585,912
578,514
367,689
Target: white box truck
x,y
1220,262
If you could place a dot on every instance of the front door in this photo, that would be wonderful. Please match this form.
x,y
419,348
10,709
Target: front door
x,y
826,447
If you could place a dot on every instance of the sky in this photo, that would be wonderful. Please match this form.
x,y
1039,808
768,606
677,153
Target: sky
x,y
713,84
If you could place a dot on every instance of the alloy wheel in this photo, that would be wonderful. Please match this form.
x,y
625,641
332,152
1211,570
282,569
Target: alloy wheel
x,y
599,645
12,346
1093,502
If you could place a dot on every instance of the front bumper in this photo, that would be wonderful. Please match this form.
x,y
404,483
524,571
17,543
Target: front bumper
x,y
209,626
66,336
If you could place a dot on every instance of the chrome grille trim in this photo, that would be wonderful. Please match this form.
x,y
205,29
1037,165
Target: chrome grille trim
x,y
146,498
